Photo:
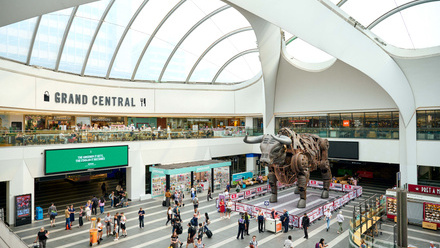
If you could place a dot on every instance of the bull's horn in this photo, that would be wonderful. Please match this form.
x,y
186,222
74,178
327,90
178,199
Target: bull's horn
x,y
283,139
253,140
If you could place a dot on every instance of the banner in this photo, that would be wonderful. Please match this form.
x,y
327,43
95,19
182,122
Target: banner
x,y
345,199
352,195
240,196
315,214
316,184
328,206
264,189
429,190
337,203
253,192
247,194
336,186
358,191
233,197
348,187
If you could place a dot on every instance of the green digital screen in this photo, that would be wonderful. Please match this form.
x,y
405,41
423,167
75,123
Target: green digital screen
x,y
78,159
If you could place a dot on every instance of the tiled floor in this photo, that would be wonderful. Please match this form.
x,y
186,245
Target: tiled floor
x,y
156,234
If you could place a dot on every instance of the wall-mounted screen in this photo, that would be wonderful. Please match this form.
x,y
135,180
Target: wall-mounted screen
x,y
344,149
80,159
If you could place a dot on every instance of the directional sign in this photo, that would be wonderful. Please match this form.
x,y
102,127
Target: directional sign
x,y
266,203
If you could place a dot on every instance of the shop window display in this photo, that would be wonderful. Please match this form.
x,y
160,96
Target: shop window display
x,y
158,185
432,212
221,177
202,180
180,182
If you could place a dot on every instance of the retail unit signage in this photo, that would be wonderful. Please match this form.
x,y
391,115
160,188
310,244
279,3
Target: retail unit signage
x,y
430,190
96,100
80,159
176,171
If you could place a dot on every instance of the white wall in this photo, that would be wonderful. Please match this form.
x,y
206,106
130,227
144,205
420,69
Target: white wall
x,y
339,88
428,153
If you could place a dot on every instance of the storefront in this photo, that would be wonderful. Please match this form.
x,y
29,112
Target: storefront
x,y
65,122
108,121
184,176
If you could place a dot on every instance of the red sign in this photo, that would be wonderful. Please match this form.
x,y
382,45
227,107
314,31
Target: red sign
x,y
346,123
365,174
429,190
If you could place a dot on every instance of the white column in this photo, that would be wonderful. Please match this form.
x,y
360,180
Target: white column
x,y
135,176
408,151
21,183
251,162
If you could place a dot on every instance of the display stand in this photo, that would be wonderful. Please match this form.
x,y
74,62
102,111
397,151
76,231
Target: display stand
x,y
273,225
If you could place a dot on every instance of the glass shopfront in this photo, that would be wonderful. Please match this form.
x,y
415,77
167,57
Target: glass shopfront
x,y
35,122
60,122
158,184
108,121
428,124
180,182
221,178
380,125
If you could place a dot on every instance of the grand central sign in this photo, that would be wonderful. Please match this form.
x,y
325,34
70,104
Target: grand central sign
x,y
95,100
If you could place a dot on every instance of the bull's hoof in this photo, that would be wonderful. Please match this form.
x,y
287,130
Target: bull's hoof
x,y
296,190
324,194
273,198
301,203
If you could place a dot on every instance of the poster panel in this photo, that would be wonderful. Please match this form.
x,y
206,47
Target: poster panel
x,y
23,209
328,206
336,186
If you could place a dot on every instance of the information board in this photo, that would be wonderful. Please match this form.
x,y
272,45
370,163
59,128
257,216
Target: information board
x,y
80,159
23,208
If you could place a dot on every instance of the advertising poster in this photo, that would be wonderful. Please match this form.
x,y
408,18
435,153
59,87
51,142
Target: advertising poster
x,y
315,214
253,192
247,194
316,184
348,187
337,203
358,191
240,196
233,197
259,190
264,189
23,209
352,195
345,199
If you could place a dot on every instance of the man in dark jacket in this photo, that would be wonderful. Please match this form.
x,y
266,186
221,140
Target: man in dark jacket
x,y
305,223
241,227
191,234
285,220
94,205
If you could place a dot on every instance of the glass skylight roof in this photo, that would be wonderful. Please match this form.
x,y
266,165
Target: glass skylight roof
x,y
192,41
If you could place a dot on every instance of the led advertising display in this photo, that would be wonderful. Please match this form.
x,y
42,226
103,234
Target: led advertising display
x,y
83,159
23,209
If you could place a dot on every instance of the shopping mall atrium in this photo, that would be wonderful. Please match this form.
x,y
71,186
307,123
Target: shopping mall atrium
x,y
138,97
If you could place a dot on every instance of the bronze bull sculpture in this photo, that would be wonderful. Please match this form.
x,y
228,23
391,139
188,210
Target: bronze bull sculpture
x,y
290,157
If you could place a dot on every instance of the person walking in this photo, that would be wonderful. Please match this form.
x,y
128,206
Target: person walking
x,y
340,219
94,205
108,224
209,195
228,187
72,215
222,208
199,244
253,243
241,227
100,228
67,215
104,189
52,212
200,231
169,215
112,199
288,242
285,220
176,225
123,227
328,216
175,241
305,223
196,202
141,214
176,212
191,234
42,236
167,198
228,209
246,223
260,220
80,216
101,204
116,224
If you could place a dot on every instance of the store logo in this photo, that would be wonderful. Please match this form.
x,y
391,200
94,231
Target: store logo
x,y
204,168
46,96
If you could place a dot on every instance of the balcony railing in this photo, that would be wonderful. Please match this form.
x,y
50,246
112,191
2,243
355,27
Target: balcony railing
x,y
356,133
47,137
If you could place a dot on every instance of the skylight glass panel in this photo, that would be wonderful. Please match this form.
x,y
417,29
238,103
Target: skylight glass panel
x,y
233,21
206,6
253,61
48,39
305,52
15,39
238,67
153,60
128,54
179,66
109,35
366,11
204,72
415,27
151,15
80,35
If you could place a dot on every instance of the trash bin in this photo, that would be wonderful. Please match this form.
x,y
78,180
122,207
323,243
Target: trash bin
x,y
39,213
93,236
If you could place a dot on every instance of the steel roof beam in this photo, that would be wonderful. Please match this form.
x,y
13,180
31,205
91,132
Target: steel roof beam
x,y
66,33
187,34
213,45
127,28
86,59
34,35
153,35
255,50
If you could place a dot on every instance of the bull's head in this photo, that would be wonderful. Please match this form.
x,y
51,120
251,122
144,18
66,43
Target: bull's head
x,y
272,147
